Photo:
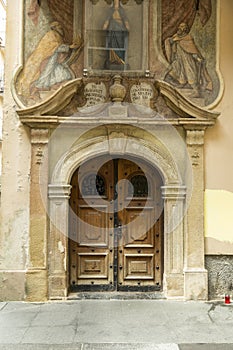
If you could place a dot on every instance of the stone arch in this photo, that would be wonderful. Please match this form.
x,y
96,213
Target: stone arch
x,y
118,144
115,144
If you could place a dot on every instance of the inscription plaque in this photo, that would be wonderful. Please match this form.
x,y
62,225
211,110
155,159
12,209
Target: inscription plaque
x,y
141,94
95,94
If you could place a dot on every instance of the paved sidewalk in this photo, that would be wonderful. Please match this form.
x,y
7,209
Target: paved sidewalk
x,y
115,324
117,346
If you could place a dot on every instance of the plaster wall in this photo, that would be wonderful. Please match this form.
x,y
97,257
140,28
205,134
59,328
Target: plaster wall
x,y
15,173
1,117
2,58
219,150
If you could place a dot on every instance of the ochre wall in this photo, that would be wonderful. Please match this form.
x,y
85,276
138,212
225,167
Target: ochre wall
x,y
219,150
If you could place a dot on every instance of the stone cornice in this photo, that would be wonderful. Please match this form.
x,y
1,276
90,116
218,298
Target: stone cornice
x,y
46,113
50,122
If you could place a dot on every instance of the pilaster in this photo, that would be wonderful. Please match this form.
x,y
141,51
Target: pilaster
x,y
174,197
36,275
194,270
58,240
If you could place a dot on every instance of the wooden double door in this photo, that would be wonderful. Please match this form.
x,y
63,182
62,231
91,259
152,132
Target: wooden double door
x,y
116,227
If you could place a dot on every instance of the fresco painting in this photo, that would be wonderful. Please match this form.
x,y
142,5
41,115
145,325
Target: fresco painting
x,y
54,49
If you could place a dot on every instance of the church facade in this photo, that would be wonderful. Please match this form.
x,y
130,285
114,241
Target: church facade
x,y
110,179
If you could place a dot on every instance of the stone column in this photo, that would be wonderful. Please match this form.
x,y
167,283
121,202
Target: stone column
x,y
194,268
174,197
36,275
58,240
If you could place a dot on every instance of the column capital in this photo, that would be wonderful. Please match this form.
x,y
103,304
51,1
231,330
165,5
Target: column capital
x,y
59,191
39,136
195,137
175,192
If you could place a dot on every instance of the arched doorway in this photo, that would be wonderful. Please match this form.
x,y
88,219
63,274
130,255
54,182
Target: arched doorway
x,y
116,226
120,144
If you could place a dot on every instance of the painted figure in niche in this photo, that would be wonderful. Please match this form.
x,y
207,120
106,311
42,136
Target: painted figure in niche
x,y
34,64
61,11
48,66
187,65
34,10
117,29
175,12
57,68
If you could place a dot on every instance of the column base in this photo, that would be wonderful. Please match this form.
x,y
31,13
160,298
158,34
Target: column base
x,y
174,285
195,284
36,285
57,287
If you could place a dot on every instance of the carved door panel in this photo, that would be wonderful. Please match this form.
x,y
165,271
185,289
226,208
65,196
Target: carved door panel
x,y
140,233
91,227
115,227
